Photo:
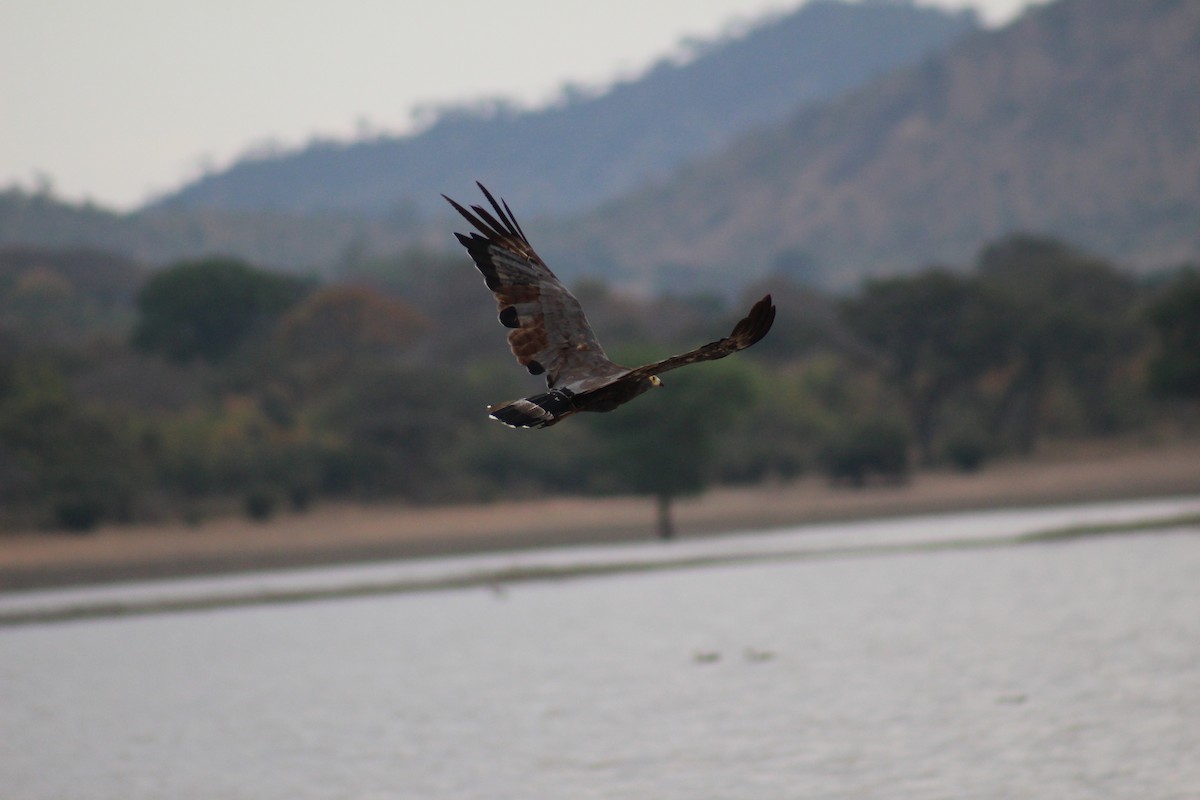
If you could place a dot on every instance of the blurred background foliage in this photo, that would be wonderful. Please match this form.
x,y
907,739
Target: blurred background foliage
x,y
214,386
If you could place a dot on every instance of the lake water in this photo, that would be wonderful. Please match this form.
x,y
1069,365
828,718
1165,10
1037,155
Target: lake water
x,y
1063,670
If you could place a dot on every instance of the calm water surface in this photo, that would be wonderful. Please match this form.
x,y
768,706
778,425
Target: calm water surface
x,y
1067,670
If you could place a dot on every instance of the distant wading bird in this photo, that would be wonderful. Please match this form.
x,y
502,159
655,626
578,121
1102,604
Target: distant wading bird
x,y
549,333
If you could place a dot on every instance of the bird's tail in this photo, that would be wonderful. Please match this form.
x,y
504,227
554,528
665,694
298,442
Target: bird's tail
x,y
539,411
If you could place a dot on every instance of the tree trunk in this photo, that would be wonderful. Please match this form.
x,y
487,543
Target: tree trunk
x,y
922,408
1017,417
666,528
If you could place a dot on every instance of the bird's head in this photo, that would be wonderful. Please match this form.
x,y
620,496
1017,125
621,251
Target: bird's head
x,y
655,381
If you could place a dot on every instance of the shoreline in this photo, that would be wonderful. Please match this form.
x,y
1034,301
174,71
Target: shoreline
x,y
350,533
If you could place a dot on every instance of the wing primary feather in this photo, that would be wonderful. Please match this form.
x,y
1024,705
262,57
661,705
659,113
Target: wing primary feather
x,y
498,231
478,247
460,209
513,217
488,225
755,325
508,219
471,218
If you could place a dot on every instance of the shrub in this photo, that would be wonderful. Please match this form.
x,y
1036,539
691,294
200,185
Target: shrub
x,y
966,450
80,514
260,504
865,449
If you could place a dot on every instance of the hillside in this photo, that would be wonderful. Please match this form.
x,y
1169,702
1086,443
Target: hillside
x,y
1080,120
587,149
62,296
291,242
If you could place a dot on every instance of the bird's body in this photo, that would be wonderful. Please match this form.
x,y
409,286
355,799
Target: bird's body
x,y
549,333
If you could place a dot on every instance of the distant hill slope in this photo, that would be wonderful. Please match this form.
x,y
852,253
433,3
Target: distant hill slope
x,y
291,242
1081,120
571,157
64,295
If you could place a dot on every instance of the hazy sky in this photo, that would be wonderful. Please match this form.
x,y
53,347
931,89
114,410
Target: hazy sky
x,y
115,100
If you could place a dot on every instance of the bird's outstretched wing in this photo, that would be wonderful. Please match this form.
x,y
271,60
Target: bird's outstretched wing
x,y
549,332
749,330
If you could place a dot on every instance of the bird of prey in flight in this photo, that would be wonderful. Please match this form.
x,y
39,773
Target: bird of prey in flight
x,y
549,334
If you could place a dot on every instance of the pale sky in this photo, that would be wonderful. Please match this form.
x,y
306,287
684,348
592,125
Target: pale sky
x,y
117,100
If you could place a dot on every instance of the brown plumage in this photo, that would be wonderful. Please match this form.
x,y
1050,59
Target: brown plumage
x,y
550,334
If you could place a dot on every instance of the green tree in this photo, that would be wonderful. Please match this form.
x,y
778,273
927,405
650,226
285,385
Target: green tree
x,y
1174,369
1075,323
207,309
349,323
664,445
934,334
866,447
68,467
237,448
399,431
66,295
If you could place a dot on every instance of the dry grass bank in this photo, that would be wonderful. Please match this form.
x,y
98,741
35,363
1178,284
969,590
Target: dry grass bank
x,y
346,533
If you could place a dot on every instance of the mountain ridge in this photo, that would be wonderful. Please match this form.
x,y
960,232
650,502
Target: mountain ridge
x,y
1078,120
572,156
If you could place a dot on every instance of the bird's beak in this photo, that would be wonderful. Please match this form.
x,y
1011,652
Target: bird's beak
x,y
655,381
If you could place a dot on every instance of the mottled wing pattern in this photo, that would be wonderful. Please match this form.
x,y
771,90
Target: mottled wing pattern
x,y
549,332
749,330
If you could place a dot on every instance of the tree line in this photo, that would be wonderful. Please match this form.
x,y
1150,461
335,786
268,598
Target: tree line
x,y
214,386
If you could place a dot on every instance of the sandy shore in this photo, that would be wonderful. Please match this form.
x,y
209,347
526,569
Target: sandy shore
x,y
349,533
